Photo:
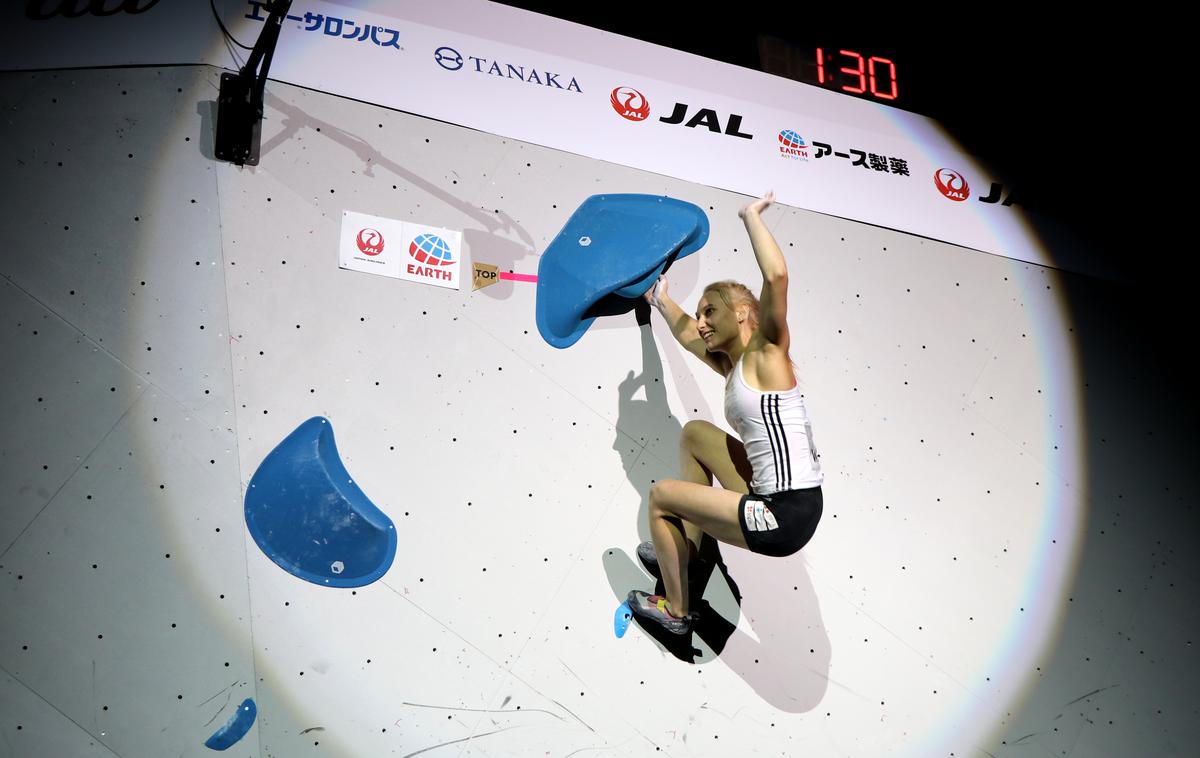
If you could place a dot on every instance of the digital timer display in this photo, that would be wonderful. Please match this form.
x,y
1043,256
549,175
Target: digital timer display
x,y
865,74
857,75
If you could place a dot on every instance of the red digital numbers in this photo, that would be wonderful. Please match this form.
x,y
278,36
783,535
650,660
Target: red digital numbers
x,y
893,90
866,74
859,72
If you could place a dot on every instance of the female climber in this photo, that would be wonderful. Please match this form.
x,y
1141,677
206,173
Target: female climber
x,y
771,501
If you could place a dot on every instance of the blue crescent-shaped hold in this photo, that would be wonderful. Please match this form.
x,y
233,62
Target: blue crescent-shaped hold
x,y
235,728
612,248
310,518
621,619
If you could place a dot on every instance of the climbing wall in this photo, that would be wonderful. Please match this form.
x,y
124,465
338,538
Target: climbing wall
x,y
1001,569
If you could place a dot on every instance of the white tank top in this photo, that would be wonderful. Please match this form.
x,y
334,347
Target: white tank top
x,y
775,429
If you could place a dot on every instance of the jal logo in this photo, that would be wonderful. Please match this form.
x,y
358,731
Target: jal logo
x,y
707,118
630,104
370,241
792,146
452,60
952,184
40,10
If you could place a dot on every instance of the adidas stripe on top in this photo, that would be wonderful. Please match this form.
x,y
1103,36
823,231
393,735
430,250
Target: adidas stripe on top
x,y
777,434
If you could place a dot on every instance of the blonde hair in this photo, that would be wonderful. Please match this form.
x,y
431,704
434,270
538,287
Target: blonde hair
x,y
735,294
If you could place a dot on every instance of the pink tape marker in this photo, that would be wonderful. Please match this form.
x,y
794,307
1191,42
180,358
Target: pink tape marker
x,y
518,277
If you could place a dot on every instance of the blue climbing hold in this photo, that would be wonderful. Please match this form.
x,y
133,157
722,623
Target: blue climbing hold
x,y
610,252
621,619
310,518
235,728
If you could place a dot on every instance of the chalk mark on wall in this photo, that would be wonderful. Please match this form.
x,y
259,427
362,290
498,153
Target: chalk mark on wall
x,y
461,739
485,710
219,693
1093,692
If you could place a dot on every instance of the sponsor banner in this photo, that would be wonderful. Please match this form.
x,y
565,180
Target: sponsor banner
x,y
371,244
564,86
36,34
400,249
44,10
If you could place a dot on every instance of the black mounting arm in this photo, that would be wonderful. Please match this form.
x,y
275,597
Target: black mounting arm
x,y
240,103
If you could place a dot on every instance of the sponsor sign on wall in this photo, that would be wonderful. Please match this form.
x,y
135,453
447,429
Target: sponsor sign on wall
x,y
751,133
42,10
400,249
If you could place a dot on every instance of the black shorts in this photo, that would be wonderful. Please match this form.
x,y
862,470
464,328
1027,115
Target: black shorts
x,y
781,523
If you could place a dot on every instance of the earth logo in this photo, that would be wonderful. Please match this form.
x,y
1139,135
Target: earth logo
x,y
792,145
431,250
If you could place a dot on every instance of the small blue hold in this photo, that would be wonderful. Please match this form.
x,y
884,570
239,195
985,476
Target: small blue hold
x,y
621,619
235,728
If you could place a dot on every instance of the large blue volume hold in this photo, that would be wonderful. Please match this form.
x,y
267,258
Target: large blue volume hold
x,y
611,250
235,728
311,519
